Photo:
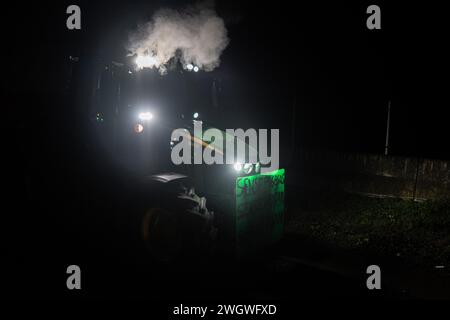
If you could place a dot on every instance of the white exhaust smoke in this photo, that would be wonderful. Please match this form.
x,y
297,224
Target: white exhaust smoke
x,y
195,37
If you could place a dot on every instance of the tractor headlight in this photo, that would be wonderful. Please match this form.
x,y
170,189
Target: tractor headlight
x,y
145,61
138,128
145,116
191,67
237,166
247,168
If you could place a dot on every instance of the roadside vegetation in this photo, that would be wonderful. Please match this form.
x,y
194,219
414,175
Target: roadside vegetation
x,y
417,232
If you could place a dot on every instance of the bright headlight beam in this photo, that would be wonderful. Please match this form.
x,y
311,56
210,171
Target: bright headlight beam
x,y
195,115
145,61
145,116
196,69
190,67
237,166
246,168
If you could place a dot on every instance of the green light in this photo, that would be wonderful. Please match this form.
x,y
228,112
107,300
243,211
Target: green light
x,y
259,210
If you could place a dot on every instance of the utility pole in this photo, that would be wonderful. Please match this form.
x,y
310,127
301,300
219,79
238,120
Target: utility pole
x,y
386,146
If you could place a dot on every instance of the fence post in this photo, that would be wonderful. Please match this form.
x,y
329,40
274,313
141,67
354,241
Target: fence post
x,y
416,178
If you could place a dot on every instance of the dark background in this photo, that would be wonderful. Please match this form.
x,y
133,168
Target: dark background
x,y
320,56
316,57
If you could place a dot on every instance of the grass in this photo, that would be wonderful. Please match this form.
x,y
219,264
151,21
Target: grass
x,y
418,232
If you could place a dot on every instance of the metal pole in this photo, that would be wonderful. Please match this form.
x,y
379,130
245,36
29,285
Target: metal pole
x,y
386,146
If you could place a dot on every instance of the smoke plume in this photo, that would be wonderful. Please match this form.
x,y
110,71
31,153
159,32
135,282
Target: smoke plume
x,y
195,37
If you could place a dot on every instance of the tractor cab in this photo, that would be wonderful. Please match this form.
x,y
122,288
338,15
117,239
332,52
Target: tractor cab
x,y
136,110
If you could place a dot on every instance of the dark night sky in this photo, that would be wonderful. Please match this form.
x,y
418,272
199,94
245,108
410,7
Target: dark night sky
x,y
320,55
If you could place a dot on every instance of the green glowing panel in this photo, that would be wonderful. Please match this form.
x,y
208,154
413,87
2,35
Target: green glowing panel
x,y
259,211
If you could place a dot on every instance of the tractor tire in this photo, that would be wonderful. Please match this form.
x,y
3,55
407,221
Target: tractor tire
x,y
162,234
